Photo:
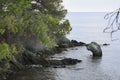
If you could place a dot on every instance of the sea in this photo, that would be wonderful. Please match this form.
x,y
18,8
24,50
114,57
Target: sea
x,y
89,26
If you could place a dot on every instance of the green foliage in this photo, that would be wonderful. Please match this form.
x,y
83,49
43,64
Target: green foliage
x,y
2,31
52,7
4,50
19,18
65,26
57,28
9,23
14,49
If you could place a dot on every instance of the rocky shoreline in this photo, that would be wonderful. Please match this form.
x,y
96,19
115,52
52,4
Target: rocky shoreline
x,y
32,57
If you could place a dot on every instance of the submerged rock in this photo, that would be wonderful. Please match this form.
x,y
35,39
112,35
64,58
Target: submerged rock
x,y
95,49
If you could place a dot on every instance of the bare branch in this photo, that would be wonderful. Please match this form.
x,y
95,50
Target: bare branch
x,y
113,19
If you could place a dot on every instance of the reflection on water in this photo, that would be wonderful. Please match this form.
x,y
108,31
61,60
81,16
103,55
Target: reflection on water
x,y
34,74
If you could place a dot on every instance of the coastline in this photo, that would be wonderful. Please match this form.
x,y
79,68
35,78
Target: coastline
x,y
29,57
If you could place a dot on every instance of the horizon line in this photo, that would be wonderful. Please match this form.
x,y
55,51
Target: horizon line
x,y
91,11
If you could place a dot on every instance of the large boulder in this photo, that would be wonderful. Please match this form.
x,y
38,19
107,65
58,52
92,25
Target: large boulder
x,y
63,42
95,49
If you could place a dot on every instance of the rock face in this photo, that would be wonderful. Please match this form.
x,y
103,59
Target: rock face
x,y
95,49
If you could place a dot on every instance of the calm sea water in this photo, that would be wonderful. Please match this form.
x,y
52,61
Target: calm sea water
x,y
86,27
89,26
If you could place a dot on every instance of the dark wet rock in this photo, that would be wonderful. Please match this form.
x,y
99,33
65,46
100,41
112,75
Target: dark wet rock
x,y
61,66
33,58
70,61
3,76
59,50
66,43
66,61
82,43
29,57
76,43
63,42
3,62
95,49
105,44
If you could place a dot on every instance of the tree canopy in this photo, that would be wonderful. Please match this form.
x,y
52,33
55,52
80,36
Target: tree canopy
x,y
43,19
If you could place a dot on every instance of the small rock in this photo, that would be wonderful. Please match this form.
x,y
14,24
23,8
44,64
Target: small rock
x,y
70,61
105,44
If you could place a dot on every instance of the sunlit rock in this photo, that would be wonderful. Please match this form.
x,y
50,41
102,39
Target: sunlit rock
x,y
95,49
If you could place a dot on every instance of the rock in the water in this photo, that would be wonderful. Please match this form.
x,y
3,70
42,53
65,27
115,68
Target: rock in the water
x,y
105,44
76,43
70,61
66,61
95,49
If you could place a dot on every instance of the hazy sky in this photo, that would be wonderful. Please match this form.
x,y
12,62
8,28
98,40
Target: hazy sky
x,y
91,5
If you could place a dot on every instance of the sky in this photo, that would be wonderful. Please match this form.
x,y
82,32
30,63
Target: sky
x,y
91,5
